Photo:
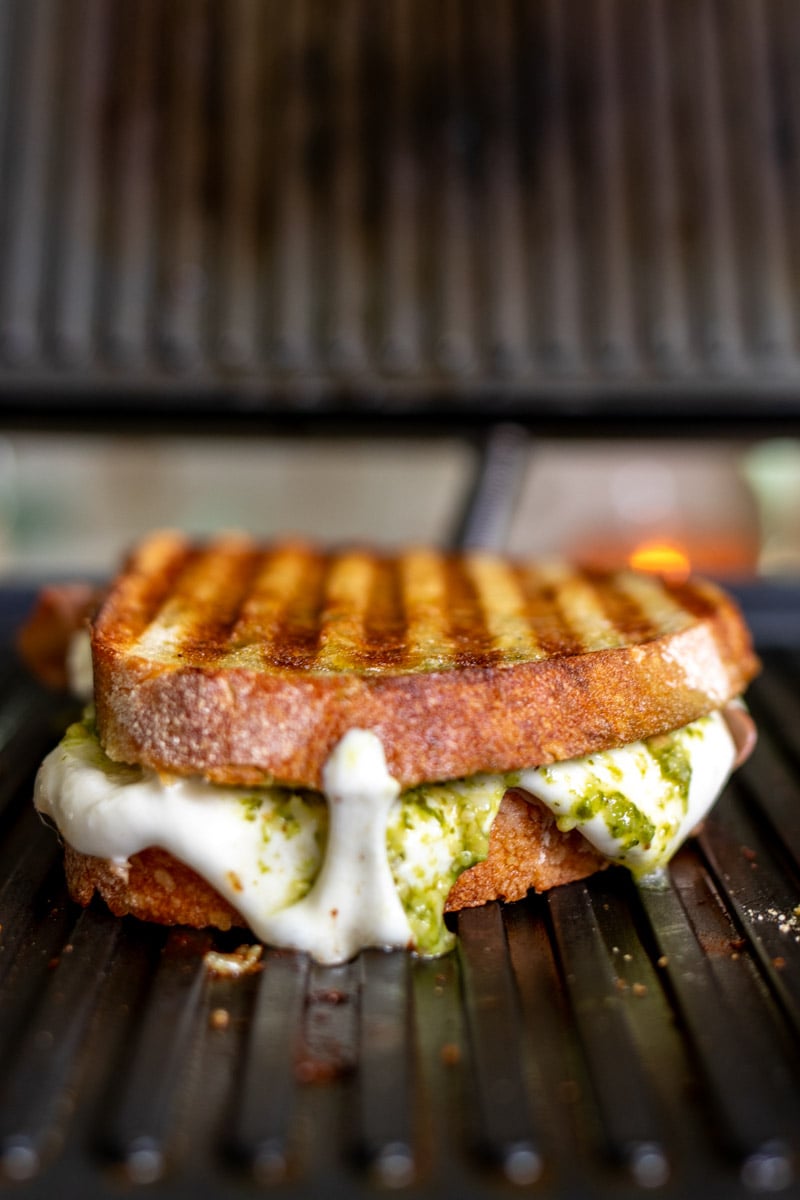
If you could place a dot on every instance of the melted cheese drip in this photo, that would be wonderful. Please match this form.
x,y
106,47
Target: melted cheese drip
x,y
327,878
260,853
354,902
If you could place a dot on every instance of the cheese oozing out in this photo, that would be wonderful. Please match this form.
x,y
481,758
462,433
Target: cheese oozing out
x,y
364,865
364,869
638,804
80,669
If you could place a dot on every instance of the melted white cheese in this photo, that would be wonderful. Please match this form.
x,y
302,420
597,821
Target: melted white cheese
x,y
628,803
328,878
261,853
80,671
354,901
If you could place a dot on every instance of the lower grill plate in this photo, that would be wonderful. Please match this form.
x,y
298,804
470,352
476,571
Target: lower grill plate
x,y
594,1042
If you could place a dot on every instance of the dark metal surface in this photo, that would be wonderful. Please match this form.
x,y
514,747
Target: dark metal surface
x,y
577,208
595,1042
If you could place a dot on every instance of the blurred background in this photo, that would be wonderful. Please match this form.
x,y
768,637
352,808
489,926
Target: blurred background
x,y
285,267
72,503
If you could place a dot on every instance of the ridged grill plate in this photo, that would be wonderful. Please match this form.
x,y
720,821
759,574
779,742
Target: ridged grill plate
x,y
593,1041
557,209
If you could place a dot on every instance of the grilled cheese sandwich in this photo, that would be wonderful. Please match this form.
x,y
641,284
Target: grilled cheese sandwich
x,y
338,747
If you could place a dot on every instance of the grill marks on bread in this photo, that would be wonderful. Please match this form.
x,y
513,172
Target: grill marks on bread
x,y
197,618
502,607
293,606
281,581
347,595
249,662
385,633
568,611
146,582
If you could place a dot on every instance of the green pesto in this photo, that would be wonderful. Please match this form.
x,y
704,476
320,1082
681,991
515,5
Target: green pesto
x,y
670,755
302,884
288,818
626,823
82,737
284,813
674,761
251,806
435,832
615,772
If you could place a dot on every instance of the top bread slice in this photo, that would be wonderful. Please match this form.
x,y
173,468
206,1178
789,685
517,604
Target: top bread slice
x,y
247,662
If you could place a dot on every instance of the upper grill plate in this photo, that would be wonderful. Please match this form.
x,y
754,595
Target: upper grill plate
x,y
552,209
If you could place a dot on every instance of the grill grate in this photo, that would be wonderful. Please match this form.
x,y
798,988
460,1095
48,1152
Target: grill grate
x,y
595,1040
562,208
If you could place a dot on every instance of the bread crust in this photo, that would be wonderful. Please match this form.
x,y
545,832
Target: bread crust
x,y
43,640
248,663
526,852
152,885
237,725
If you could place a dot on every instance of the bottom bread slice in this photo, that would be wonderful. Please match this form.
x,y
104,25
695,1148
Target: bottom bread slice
x,y
152,885
526,852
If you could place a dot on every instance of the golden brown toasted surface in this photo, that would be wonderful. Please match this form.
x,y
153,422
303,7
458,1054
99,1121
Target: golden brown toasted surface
x,y
526,851
248,662
153,886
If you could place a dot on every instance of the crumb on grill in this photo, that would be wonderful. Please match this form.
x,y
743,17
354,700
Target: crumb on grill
x,y
243,961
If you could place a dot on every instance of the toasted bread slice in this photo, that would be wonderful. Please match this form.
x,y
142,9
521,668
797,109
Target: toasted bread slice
x,y
247,663
151,885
